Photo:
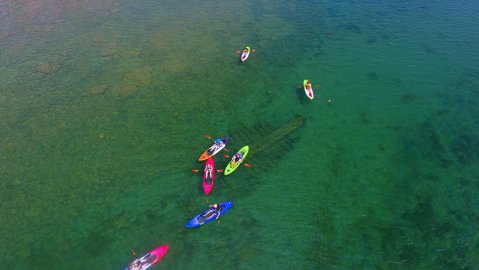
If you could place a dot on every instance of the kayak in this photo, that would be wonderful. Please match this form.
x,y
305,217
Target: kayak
x,y
245,55
235,164
209,177
149,259
215,148
309,92
208,215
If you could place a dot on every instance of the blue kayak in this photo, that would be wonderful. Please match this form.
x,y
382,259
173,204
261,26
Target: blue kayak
x,y
202,219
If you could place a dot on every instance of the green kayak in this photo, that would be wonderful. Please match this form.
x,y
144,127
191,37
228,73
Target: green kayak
x,y
236,160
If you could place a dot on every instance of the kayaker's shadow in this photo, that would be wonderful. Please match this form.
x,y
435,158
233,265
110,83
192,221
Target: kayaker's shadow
x,y
301,96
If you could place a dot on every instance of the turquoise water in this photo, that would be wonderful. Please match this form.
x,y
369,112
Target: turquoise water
x,y
104,108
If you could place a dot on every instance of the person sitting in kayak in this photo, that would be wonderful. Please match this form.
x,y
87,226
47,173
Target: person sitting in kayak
x,y
215,208
237,157
245,50
208,170
308,85
219,142
135,265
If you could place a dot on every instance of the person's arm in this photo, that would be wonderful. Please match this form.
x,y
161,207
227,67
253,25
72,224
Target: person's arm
x,y
219,213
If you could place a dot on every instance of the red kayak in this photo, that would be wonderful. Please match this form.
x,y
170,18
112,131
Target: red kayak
x,y
209,176
149,259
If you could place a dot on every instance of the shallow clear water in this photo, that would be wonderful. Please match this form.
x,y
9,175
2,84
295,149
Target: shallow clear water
x,y
104,107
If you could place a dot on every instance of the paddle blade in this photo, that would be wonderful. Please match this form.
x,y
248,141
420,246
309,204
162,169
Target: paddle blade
x,y
208,137
298,86
317,85
220,170
254,50
247,165
194,170
226,150
225,155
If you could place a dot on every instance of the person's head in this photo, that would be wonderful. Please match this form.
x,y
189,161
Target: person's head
x,y
215,205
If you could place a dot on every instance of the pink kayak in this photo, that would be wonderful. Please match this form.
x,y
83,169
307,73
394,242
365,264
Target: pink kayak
x,y
149,259
209,176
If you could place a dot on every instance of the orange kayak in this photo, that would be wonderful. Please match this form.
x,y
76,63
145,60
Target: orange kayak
x,y
214,149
